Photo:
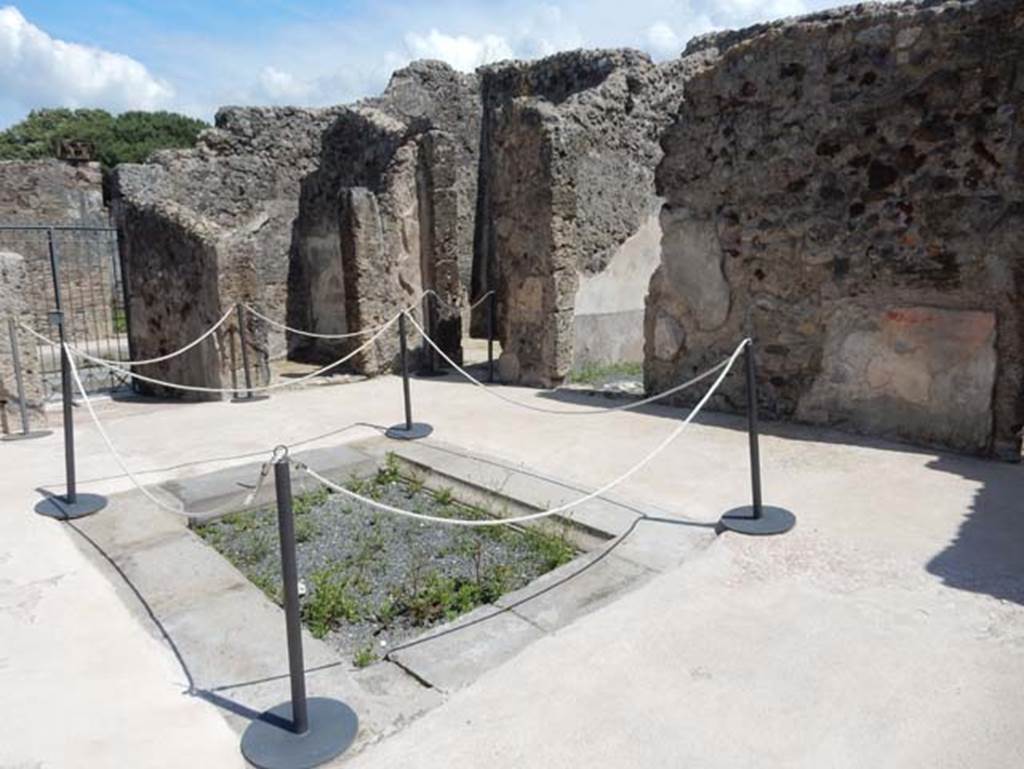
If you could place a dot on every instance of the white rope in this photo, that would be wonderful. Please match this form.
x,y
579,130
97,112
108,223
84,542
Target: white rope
x,y
131,476
592,410
543,513
262,388
148,361
363,332
455,307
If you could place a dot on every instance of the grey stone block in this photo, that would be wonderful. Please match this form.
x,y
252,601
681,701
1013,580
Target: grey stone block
x,y
458,653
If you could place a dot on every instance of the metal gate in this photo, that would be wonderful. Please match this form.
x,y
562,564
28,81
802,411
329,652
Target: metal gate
x,y
76,270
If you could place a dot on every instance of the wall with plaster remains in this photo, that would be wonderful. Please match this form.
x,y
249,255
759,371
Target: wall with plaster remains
x,y
568,150
850,183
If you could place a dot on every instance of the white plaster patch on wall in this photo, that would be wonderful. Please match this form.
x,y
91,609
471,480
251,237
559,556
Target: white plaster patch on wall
x,y
914,371
609,312
622,285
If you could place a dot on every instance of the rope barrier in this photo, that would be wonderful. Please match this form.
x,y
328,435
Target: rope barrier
x,y
147,361
169,355
264,470
362,332
468,522
455,307
593,410
228,390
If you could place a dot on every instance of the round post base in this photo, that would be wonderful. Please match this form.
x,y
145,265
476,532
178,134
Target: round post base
x,y
269,742
26,436
249,398
417,431
773,520
62,510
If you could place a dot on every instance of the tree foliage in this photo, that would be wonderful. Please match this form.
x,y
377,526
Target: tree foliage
x,y
126,138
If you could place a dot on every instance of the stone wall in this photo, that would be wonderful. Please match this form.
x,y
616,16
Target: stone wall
x,y
388,212
51,192
850,184
568,151
237,193
14,289
175,294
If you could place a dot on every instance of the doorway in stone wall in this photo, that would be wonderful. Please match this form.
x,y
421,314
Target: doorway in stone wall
x,y
78,271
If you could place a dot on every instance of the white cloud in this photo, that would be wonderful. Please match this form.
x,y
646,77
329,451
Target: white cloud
x,y
768,9
37,70
662,40
338,56
460,51
280,86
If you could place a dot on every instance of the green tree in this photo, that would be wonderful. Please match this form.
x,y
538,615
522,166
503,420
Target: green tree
x,y
127,138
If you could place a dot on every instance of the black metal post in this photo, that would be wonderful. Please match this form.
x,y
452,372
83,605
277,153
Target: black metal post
x,y
19,383
755,453
409,430
491,312
71,491
71,505
756,519
303,732
243,343
290,579
404,354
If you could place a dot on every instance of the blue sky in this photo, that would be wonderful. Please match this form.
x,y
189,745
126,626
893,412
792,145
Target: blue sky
x,y
194,55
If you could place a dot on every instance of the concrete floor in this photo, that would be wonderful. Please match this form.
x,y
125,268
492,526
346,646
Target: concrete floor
x,y
886,630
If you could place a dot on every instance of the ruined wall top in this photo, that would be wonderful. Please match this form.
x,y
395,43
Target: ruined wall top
x,y
51,192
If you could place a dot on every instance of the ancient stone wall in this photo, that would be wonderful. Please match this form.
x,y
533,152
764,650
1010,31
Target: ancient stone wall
x,y
568,150
14,290
175,294
237,191
388,212
51,192
850,183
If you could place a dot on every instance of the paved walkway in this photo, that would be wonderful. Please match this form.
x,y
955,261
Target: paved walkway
x,y
886,630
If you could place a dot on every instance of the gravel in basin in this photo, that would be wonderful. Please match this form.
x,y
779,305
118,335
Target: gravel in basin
x,y
373,580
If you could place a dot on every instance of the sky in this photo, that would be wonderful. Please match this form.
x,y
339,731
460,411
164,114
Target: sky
x,y
192,56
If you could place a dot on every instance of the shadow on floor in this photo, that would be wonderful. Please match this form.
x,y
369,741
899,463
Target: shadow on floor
x,y
987,555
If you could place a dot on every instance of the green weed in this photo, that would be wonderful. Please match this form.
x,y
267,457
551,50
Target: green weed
x,y
332,600
365,656
595,373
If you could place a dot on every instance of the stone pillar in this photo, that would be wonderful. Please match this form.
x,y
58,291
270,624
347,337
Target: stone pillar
x,y
13,288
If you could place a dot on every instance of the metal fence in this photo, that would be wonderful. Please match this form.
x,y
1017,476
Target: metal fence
x,y
76,270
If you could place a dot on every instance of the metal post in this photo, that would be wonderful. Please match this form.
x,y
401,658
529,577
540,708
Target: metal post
x,y
491,312
409,430
290,579
19,382
755,454
303,732
243,343
756,518
404,353
71,505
